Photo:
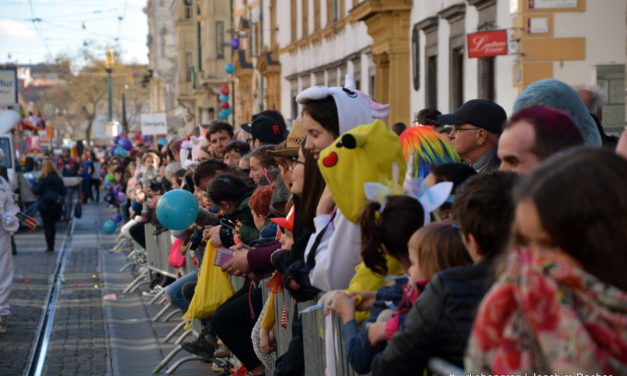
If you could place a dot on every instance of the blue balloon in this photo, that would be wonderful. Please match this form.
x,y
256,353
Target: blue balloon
x,y
224,114
117,218
229,68
116,139
109,227
121,152
224,98
177,209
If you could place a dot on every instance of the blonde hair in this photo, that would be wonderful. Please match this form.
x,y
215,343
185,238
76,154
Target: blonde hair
x,y
47,167
438,246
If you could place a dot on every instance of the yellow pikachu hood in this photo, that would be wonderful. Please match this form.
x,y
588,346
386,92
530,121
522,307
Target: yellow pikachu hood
x,y
367,153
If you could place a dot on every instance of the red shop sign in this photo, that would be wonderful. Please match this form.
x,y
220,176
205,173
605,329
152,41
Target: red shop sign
x,y
489,43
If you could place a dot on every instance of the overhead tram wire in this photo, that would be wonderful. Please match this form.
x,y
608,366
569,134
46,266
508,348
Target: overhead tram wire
x,y
90,32
35,20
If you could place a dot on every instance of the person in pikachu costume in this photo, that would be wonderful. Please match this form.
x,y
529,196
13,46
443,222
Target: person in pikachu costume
x,y
367,153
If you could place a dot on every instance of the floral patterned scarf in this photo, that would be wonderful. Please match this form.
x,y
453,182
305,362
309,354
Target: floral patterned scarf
x,y
548,316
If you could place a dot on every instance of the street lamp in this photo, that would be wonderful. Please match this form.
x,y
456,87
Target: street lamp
x,y
109,69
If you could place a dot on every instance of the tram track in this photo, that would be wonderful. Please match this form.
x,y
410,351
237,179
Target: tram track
x,y
37,357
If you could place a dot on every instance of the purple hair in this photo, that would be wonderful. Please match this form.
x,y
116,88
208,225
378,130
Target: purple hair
x,y
554,130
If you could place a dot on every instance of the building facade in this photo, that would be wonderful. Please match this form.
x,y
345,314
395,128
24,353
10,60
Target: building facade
x,y
163,59
580,42
188,48
410,54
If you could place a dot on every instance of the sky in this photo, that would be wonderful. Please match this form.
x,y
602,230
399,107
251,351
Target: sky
x,y
33,31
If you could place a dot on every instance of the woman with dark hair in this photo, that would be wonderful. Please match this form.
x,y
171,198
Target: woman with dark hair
x,y
561,305
51,190
94,179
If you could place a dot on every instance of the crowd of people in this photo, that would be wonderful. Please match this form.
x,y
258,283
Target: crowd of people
x,y
493,242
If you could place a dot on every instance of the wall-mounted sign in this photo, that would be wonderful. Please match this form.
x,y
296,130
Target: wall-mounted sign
x,y
489,43
8,86
538,25
552,4
153,124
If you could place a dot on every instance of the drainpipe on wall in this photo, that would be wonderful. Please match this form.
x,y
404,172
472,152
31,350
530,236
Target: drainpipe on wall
x,y
261,79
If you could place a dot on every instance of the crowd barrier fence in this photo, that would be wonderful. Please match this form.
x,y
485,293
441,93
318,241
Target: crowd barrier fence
x,y
314,321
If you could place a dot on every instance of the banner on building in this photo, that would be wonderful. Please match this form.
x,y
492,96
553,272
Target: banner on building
x,y
488,43
153,124
8,86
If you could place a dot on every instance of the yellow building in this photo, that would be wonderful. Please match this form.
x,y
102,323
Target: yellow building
x,y
257,77
188,48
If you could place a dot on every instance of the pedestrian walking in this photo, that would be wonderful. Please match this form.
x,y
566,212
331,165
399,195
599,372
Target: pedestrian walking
x,y
51,191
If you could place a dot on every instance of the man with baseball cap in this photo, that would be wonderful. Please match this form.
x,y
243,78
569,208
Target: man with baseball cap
x,y
265,131
477,126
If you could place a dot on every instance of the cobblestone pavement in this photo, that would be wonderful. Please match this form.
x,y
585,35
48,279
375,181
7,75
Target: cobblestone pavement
x,y
32,270
90,336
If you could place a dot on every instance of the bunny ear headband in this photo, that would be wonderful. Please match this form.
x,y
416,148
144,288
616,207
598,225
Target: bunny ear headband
x,y
430,198
353,106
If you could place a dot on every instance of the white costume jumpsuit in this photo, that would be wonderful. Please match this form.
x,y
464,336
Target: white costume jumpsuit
x,y
8,225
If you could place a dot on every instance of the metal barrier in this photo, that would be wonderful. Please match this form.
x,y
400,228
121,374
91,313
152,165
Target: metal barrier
x,y
157,250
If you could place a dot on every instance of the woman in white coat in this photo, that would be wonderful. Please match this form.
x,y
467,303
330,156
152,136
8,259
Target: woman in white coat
x,y
8,225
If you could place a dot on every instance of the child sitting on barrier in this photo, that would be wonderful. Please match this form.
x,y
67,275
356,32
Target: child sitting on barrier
x,y
431,249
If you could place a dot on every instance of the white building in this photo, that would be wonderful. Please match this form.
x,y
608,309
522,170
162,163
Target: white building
x,y
575,41
319,44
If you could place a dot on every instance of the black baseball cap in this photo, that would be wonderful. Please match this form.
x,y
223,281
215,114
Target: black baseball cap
x,y
266,129
481,113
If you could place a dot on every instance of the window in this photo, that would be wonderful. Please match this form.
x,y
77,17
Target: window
x,y
332,77
219,39
316,14
431,95
319,78
457,78
162,41
305,18
415,57
294,19
199,45
486,72
189,66
357,73
188,13
486,78
294,107
612,79
333,11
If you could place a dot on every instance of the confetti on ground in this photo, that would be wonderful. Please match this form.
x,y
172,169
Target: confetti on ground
x,y
24,280
77,285
95,286
110,297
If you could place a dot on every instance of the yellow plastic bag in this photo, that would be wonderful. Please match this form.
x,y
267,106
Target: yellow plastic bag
x,y
213,287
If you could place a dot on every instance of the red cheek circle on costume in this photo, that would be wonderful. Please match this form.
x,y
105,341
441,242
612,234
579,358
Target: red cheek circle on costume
x,y
330,160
